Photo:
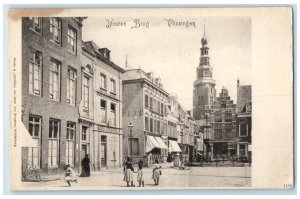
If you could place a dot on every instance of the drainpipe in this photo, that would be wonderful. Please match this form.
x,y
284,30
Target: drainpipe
x,y
120,120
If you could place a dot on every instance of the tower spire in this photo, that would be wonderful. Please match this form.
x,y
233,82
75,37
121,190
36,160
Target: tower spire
x,y
126,62
204,27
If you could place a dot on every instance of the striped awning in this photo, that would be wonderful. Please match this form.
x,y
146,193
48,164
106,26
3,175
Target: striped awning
x,y
173,146
154,142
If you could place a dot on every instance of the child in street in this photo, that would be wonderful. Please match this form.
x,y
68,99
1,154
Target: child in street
x,y
140,175
69,175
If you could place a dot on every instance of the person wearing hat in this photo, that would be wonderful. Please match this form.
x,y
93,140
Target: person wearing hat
x,y
69,175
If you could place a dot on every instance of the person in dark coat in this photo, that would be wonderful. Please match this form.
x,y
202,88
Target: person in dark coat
x,y
85,163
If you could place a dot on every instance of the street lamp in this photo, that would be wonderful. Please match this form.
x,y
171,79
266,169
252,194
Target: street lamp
x,y
181,124
130,126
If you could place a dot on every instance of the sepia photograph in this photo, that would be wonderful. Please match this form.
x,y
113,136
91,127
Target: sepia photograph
x,y
130,102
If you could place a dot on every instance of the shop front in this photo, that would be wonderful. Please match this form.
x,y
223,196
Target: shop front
x,y
155,147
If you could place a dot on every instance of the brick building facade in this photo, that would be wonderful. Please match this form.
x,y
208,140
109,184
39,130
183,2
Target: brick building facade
x,y
51,90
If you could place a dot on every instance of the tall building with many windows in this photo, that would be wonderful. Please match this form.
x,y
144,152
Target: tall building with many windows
x,y
51,90
101,107
145,104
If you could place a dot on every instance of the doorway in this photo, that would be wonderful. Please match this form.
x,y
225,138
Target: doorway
x,y
103,151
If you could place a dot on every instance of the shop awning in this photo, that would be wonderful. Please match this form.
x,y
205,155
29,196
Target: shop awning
x,y
154,142
173,146
161,143
26,139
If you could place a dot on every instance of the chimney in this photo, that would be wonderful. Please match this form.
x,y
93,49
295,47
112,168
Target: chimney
x,y
238,82
105,52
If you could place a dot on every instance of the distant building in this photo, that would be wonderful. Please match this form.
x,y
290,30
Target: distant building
x,y
173,129
204,93
244,121
223,121
101,108
51,90
187,141
145,104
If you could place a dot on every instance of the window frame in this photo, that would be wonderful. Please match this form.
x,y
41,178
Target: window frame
x,y
53,26
52,139
103,120
103,78
52,74
72,38
71,126
33,63
113,86
69,91
86,92
33,27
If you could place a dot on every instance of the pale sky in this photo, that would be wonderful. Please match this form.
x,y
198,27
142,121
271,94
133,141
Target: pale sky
x,y
173,53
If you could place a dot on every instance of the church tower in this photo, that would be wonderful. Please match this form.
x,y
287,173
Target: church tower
x,y
204,92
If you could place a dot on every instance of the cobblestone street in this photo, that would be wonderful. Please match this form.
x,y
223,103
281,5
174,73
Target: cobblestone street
x,y
203,177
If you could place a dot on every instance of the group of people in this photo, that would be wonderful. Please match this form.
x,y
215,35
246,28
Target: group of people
x,y
85,172
129,170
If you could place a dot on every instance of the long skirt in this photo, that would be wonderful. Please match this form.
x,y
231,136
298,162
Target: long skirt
x,y
156,174
128,175
85,172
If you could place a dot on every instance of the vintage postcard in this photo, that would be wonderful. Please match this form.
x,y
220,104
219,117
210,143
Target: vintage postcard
x,y
151,99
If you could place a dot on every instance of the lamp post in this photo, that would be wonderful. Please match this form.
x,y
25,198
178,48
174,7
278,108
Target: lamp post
x,y
130,126
181,124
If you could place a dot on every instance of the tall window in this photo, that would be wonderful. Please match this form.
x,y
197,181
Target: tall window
x,y
158,126
113,85
158,106
162,108
146,101
154,105
103,111
55,29
53,148
151,125
54,90
146,123
72,40
85,91
243,129
71,86
151,103
218,134
70,137
36,24
84,134
35,127
35,73
228,117
103,81
113,114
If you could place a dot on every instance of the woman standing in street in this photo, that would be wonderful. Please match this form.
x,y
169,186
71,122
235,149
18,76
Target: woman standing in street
x,y
85,172
156,172
128,169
